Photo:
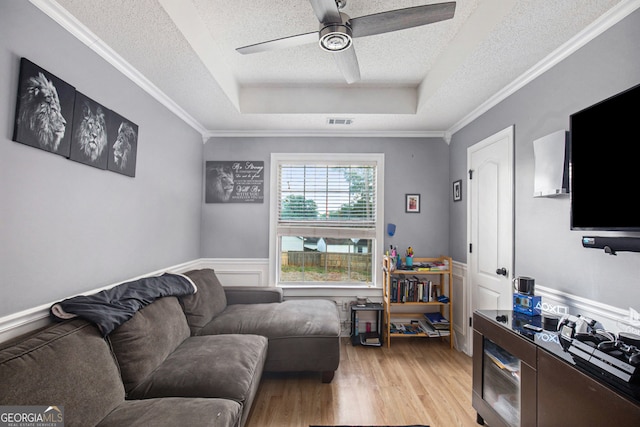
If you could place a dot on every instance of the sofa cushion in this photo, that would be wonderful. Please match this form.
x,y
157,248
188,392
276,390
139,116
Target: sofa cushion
x,y
67,364
286,319
304,335
207,303
142,343
223,366
174,411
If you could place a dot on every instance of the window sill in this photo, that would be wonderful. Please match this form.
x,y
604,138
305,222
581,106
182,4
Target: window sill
x,y
336,286
331,291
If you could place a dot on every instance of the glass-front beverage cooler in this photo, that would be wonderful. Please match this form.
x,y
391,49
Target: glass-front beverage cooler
x,y
504,373
501,382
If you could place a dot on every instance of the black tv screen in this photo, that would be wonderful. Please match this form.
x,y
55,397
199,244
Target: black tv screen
x,y
605,164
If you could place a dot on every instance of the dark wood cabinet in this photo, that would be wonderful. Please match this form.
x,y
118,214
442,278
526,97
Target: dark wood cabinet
x,y
551,390
568,397
504,375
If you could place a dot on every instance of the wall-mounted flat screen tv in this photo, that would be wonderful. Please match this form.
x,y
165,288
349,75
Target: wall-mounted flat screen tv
x,y
605,164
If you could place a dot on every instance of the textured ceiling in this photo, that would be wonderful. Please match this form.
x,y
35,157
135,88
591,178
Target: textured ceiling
x,y
416,82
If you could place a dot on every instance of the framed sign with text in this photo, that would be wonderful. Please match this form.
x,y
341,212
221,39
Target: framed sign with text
x,y
234,181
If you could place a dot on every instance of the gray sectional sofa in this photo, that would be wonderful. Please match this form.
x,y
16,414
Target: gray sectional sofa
x,y
303,334
190,360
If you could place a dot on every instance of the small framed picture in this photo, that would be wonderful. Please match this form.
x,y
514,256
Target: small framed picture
x,y
457,190
412,203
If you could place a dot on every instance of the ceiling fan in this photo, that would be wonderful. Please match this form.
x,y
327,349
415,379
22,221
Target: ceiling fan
x,y
337,30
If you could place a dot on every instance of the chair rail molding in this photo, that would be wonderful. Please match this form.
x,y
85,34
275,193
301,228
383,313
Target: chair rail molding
x,y
19,323
255,272
237,271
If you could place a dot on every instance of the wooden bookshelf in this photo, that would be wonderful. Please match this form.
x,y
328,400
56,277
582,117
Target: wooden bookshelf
x,y
419,289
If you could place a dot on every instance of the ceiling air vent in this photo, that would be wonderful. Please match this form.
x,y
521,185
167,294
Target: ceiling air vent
x,y
339,121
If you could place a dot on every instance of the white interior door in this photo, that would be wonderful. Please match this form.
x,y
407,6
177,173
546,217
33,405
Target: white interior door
x,y
490,221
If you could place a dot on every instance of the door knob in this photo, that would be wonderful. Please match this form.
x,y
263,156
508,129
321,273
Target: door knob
x,y
502,271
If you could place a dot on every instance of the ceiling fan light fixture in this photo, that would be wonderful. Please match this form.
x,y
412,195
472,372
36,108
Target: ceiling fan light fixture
x,y
335,37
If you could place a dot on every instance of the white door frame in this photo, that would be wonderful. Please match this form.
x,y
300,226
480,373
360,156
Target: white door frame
x,y
509,264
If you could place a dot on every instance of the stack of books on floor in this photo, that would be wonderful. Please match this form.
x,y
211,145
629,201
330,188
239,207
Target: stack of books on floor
x,y
438,323
370,338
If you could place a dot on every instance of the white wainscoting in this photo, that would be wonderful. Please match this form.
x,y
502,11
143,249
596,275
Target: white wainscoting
x,y
255,272
230,272
553,301
460,307
612,318
24,321
236,271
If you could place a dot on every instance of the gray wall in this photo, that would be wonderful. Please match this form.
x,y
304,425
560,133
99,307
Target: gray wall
x,y
65,227
545,247
412,165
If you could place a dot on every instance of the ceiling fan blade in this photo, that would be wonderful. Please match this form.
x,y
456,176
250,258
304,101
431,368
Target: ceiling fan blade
x,y
401,19
348,64
326,11
282,43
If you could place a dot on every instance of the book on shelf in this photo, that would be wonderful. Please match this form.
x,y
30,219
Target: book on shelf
x,y
437,320
396,328
431,331
408,328
431,266
412,289
414,327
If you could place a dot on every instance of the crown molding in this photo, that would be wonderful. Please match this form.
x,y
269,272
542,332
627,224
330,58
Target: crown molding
x,y
599,26
321,133
56,12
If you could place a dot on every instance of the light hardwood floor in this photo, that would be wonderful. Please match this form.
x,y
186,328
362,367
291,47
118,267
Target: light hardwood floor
x,y
416,381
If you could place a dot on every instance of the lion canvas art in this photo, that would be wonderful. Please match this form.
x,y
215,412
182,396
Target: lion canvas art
x,y
123,144
234,181
53,116
219,183
89,139
44,110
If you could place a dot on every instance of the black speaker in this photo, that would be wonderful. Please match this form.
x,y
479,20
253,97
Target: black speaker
x,y
611,245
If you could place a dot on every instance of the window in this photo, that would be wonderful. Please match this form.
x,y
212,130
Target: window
x,y
326,219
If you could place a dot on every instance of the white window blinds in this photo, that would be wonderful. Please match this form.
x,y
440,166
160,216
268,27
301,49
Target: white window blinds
x,y
327,196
